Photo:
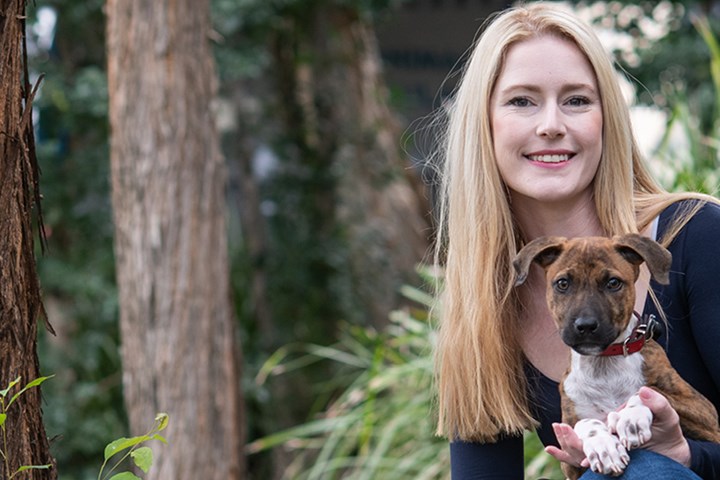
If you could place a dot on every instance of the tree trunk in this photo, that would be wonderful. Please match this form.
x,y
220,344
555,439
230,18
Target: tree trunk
x,y
382,201
179,347
20,302
334,105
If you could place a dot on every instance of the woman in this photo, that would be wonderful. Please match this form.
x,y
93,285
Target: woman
x,y
539,143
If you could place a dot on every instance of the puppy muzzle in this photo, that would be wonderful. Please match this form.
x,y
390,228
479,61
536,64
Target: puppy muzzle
x,y
588,335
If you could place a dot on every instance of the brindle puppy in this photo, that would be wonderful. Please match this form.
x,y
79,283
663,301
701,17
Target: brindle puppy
x,y
591,295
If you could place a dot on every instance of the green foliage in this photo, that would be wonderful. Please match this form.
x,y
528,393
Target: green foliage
x,y
380,422
245,26
141,456
690,145
4,407
655,60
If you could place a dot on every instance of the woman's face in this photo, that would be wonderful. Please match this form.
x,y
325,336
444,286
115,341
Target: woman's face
x,y
547,121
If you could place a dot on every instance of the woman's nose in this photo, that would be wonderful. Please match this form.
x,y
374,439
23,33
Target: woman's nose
x,y
552,122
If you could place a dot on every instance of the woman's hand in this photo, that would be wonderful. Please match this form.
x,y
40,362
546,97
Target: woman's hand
x,y
667,438
571,447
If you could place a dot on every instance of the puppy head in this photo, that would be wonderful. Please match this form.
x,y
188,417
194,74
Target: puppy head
x,y
590,283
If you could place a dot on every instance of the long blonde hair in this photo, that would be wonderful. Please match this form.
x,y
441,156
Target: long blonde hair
x,y
482,391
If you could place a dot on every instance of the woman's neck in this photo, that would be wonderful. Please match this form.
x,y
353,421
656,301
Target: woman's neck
x,y
576,218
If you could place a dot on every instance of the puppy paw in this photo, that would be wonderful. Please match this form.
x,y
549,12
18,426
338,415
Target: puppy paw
x,y
603,450
632,423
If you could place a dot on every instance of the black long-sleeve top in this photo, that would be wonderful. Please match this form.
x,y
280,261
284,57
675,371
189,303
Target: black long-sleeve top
x,y
691,303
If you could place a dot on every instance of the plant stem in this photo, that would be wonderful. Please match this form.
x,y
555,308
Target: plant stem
x,y
4,439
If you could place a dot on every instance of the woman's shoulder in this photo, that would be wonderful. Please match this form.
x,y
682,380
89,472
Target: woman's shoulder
x,y
698,221
705,204
691,211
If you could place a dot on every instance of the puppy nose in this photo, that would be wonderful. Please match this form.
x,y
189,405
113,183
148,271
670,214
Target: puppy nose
x,y
585,325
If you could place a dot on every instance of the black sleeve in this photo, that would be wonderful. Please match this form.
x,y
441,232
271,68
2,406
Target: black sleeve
x,y
704,458
701,269
702,283
502,460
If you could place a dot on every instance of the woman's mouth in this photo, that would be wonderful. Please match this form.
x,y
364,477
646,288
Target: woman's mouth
x,y
549,158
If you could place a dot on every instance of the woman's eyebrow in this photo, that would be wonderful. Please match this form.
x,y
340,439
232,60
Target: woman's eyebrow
x,y
529,87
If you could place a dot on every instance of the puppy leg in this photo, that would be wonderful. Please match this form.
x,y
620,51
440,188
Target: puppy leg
x,y
603,449
632,423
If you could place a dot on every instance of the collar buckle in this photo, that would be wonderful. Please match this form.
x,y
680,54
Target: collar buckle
x,y
644,331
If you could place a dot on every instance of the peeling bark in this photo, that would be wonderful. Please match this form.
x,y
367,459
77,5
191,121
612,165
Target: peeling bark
x,y
20,300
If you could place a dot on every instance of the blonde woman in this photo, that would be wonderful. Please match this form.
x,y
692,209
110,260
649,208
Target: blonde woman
x,y
539,142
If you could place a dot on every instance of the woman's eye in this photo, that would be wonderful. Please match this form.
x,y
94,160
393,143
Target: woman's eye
x,y
519,102
614,284
578,101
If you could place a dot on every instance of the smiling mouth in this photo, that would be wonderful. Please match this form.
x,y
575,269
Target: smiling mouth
x,y
549,158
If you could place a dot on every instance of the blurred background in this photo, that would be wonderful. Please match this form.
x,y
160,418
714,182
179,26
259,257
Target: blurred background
x,y
325,110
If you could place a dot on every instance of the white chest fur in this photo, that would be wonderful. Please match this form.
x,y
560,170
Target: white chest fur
x,y
599,385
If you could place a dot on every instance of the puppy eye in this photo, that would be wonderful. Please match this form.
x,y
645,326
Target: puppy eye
x,y
561,284
614,284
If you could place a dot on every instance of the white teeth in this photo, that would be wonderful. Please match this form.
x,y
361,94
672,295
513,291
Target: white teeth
x,y
549,158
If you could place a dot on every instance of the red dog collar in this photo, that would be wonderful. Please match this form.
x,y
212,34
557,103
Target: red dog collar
x,y
636,341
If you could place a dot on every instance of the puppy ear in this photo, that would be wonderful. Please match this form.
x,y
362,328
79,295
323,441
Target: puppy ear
x,y
637,249
543,250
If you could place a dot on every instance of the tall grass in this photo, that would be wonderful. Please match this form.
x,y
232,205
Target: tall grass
x,y
381,423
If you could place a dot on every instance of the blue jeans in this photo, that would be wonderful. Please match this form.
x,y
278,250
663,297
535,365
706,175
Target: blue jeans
x,y
647,465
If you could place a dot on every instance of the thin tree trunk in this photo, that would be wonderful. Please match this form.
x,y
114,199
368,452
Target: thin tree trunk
x,y
177,325
20,301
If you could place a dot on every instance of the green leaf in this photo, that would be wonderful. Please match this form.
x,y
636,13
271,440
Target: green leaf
x,y
125,476
162,420
160,438
3,417
30,385
37,382
418,295
4,393
33,467
123,443
143,458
